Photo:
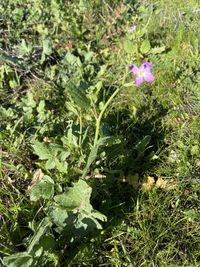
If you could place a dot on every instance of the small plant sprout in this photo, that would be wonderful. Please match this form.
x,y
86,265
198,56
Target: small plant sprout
x,y
143,73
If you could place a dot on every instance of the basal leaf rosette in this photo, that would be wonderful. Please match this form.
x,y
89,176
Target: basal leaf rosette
x,y
73,214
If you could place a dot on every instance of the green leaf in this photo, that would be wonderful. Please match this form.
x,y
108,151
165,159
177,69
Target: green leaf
x,y
141,145
75,225
61,166
145,47
42,190
41,150
24,48
21,259
29,101
42,228
78,96
129,84
86,225
50,164
44,251
130,47
98,215
74,215
13,84
55,154
61,217
64,155
195,150
47,47
93,154
41,107
72,60
77,196
112,140
157,50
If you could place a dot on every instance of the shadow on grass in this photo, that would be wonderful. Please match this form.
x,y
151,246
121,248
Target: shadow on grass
x,y
135,156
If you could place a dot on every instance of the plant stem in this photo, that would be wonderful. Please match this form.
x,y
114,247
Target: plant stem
x,y
98,122
81,129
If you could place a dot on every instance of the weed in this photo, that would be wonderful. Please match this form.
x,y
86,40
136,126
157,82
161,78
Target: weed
x,y
80,141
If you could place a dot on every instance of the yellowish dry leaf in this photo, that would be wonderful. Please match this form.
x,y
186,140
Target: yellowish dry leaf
x,y
166,184
37,177
161,183
148,184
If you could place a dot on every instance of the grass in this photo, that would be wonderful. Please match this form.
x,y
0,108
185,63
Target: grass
x,y
57,70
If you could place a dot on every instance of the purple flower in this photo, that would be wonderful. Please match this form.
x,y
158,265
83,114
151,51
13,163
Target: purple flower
x,y
143,73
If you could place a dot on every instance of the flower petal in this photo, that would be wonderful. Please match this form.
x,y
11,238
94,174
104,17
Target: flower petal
x,y
148,76
134,69
146,66
139,80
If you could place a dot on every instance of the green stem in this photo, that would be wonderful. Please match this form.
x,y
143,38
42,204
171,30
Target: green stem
x,y
98,122
81,129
